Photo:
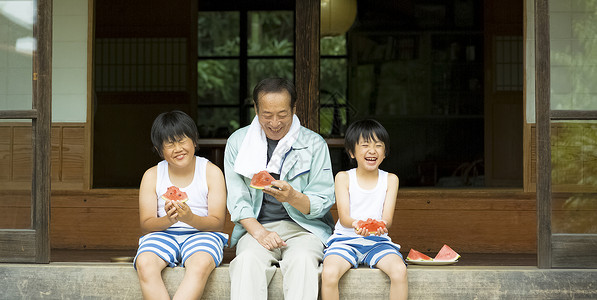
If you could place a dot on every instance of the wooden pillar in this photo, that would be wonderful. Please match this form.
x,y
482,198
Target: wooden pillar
x,y
42,102
307,62
542,113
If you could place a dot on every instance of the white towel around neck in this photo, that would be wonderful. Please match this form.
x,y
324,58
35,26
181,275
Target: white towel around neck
x,y
252,155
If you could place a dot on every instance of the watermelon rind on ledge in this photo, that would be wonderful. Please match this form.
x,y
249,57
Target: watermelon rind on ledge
x,y
445,256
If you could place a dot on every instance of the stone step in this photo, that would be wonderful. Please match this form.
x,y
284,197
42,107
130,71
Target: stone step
x,y
119,281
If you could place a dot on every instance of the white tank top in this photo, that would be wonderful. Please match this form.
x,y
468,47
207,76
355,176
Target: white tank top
x,y
364,203
196,191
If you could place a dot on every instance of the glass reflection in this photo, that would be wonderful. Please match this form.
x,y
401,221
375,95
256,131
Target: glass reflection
x,y
15,175
263,68
218,81
218,33
270,33
17,47
16,51
574,177
574,56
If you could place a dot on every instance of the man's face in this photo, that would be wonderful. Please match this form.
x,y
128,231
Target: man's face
x,y
275,114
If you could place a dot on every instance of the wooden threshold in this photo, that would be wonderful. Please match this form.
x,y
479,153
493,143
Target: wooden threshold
x,y
467,259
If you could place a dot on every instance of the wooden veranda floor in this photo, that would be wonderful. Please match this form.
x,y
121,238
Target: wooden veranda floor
x,y
467,259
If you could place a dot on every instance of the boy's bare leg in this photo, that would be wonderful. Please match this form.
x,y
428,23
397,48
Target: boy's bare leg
x,y
334,267
198,267
149,270
395,268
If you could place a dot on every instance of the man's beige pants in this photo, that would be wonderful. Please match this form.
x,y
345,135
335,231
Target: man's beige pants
x,y
254,266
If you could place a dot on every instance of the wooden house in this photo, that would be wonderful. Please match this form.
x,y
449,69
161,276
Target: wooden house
x,y
462,86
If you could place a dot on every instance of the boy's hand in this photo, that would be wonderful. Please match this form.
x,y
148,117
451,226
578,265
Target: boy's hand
x,y
171,212
359,231
183,211
384,230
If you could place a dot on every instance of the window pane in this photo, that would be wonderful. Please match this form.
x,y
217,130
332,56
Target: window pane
x,y
17,47
333,45
333,113
217,122
333,76
574,176
16,54
250,113
217,81
263,68
218,33
573,57
270,33
16,163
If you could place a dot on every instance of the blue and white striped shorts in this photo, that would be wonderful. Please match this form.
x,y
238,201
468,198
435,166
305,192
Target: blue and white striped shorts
x,y
176,244
357,250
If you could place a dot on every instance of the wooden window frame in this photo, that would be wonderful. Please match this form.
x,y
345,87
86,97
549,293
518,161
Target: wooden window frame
x,y
33,245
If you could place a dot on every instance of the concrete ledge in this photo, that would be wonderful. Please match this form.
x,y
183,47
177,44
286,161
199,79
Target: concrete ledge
x,y
119,281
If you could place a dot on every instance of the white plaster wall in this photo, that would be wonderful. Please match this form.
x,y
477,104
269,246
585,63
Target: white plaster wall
x,y
69,61
573,43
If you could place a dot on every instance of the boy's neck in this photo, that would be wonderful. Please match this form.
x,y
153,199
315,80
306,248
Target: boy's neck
x,y
367,173
182,177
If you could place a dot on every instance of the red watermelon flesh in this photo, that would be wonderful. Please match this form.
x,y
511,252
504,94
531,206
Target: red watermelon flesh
x,y
446,254
371,225
174,193
261,180
416,255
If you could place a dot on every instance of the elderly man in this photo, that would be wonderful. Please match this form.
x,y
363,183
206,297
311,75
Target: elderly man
x,y
286,224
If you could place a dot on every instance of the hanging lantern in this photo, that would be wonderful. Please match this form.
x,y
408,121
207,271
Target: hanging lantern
x,y
337,16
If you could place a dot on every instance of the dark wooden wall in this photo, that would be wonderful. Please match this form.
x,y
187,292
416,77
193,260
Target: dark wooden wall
x,y
131,87
469,221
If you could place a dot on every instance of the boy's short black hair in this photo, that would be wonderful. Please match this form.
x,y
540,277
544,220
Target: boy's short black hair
x,y
368,129
274,85
172,126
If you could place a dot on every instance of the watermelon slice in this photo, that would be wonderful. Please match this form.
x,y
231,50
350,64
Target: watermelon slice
x,y
446,254
417,256
261,180
371,225
173,193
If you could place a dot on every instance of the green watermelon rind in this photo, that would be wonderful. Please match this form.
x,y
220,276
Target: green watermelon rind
x,y
421,259
259,187
166,199
450,249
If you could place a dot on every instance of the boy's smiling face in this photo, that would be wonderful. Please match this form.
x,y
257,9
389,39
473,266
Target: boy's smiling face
x,y
179,152
369,154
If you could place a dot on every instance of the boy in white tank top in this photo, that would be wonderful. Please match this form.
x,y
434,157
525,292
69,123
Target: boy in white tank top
x,y
180,233
365,192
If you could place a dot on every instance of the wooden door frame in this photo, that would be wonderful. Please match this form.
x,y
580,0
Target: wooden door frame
x,y
551,248
33,245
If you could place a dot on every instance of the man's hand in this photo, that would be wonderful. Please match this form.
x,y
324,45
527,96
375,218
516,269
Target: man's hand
x,y
282,191
270,240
